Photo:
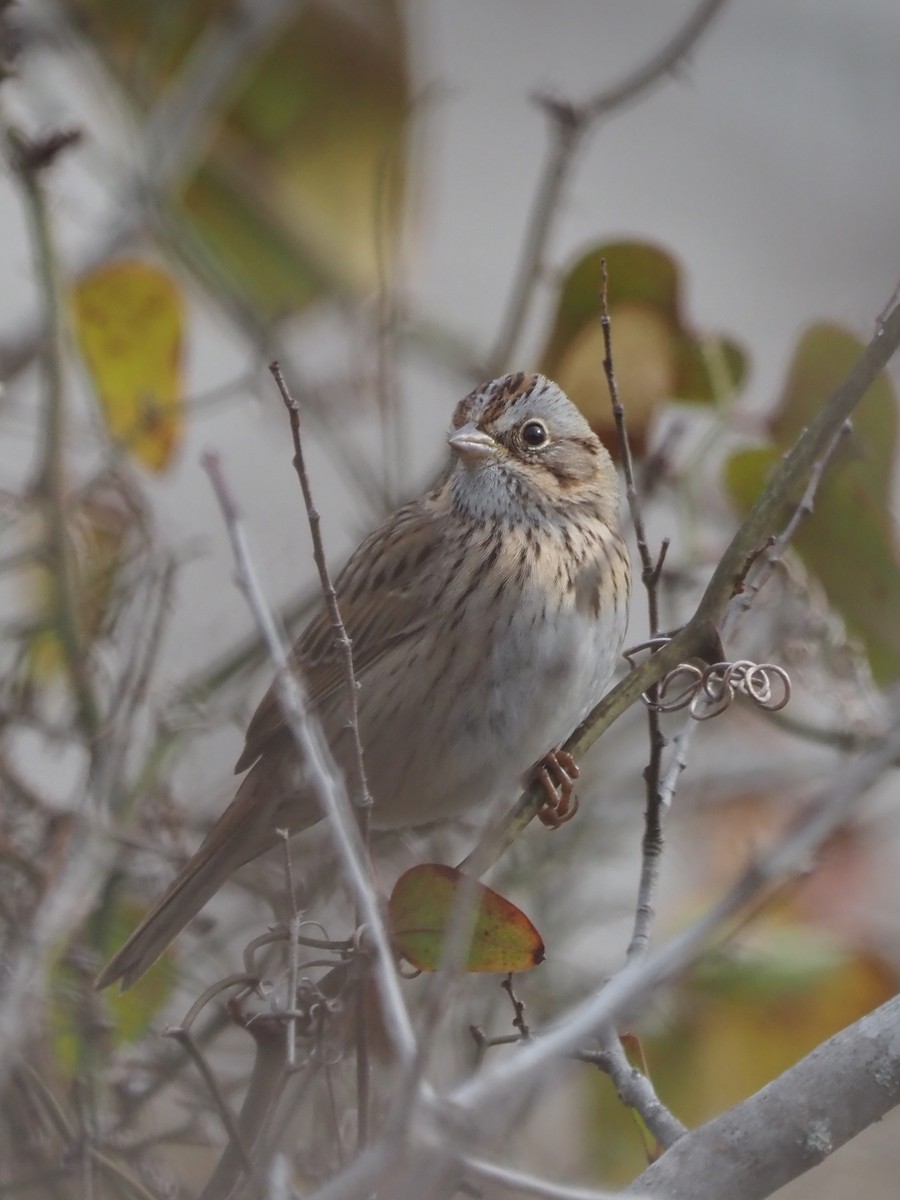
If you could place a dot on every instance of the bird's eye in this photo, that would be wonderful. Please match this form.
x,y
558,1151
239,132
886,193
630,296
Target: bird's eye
x,y
534,434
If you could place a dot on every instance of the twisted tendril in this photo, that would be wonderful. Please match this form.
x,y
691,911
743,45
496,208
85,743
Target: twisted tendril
x,y
707,693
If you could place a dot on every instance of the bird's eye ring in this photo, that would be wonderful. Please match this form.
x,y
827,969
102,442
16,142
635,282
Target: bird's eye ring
x,y
534,434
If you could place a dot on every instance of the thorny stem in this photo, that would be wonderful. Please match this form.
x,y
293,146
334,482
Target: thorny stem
x,y
651,571
518,1008
359,787
570,125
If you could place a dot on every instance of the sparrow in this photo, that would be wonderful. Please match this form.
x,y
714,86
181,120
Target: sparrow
x,y
486,619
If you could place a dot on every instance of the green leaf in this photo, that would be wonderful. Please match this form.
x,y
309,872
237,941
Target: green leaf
x,y
421,908
657,356
849,542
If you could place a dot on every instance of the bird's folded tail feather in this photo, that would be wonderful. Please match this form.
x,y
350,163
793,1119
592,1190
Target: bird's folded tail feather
x,y
223,851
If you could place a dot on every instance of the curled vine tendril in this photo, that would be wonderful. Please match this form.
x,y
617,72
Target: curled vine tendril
x,y
706,693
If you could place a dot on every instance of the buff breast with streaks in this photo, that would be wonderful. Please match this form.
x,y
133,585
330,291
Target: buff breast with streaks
x,y
486,618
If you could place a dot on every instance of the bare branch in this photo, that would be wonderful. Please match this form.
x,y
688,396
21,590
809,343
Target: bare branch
x,y
793,1123
360,789
651,571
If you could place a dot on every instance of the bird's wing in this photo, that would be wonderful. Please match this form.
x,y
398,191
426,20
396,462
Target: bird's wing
x,y
382,602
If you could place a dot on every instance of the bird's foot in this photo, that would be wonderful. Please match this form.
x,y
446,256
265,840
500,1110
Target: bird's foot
x,y
557,773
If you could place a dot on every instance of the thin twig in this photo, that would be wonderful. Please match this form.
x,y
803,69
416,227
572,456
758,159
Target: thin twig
x,y
177,131
363,1066
82,868
651,572
518,1008
743,597
359,789
570,124
294,923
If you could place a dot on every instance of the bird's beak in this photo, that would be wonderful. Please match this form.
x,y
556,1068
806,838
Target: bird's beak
x,y
472,444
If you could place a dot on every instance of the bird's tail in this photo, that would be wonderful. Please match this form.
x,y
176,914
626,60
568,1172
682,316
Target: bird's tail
x,y
228,846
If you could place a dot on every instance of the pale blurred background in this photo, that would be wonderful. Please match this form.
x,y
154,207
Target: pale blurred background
x,y
768,167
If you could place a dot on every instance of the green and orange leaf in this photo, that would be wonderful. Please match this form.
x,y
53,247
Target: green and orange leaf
x,y
421,909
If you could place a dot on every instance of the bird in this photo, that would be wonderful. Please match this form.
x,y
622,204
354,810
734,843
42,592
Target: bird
x,y
485,617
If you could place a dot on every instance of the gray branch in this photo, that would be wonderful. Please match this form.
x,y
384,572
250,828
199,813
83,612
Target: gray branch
x,y
793,1123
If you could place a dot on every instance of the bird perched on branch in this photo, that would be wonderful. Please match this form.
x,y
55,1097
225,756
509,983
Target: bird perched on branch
x,y
485,617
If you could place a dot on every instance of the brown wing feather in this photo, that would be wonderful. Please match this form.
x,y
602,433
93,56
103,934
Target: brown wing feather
x,y
380,600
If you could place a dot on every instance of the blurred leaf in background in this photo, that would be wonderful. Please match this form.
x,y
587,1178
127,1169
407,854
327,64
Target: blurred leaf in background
x,y
129,325
851,546
657,356
299,189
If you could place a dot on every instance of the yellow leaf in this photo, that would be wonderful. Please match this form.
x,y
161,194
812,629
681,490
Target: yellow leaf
x,y
129,325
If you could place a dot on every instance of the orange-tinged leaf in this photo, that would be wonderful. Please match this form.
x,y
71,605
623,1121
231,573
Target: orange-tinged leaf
x,y
657,356
129,325
420,911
